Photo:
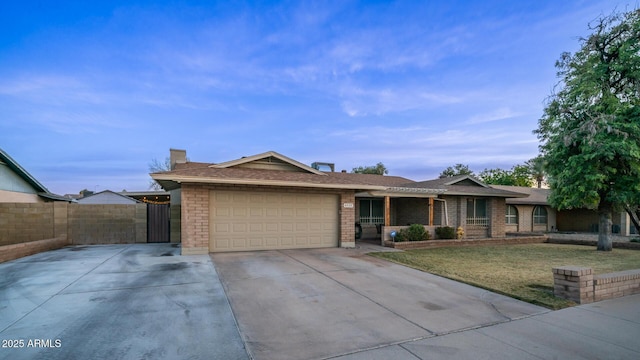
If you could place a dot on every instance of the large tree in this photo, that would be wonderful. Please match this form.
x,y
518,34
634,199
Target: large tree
x,y
590,129
378,169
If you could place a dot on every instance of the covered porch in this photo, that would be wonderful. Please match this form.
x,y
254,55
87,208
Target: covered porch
x,y
380,212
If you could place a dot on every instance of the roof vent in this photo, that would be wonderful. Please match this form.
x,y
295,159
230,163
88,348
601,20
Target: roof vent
x,y
318,165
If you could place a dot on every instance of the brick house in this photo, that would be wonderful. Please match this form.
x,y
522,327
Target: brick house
x,y
269,201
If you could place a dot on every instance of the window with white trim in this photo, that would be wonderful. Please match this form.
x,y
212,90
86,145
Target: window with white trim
x,y
539,215
371,211
511,215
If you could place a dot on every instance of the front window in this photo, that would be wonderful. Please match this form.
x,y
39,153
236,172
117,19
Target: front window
x,y
371,211
477,212
512,215
540,215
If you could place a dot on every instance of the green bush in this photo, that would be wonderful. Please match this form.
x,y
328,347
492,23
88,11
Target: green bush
x,y
446,232
415,232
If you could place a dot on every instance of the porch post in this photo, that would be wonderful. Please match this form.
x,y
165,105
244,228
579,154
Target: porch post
x,y
387,211
430,211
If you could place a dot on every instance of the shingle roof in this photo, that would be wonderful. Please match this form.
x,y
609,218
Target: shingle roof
x,y
229,173
464,185
535,196
201,172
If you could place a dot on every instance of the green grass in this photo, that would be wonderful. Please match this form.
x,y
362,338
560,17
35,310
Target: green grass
x,y
519,271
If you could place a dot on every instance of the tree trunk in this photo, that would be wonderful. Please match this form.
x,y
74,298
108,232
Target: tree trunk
x,y
605,241
635,217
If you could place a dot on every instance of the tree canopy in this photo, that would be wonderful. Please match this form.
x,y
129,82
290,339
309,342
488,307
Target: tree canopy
x,y
519,175
590,129
457,169
378,169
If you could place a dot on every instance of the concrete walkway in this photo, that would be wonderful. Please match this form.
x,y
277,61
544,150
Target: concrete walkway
x,y
342,304
115,302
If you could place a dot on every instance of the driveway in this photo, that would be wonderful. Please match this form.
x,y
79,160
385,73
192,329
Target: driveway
x,y
311,304
115,302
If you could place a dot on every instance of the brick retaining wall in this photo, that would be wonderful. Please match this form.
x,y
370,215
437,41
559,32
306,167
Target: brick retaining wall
x,y
430,244
619,242
581,285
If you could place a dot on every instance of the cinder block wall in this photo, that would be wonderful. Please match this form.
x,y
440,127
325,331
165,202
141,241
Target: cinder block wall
x,y
107,224
29,228
26,222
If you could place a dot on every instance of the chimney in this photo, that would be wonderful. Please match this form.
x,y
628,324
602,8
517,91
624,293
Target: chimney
x,y
177,157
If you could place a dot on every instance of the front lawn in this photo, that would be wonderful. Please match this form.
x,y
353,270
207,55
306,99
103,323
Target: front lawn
x,y
519,271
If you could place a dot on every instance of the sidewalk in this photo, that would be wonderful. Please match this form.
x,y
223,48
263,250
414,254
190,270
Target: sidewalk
x,y
605,330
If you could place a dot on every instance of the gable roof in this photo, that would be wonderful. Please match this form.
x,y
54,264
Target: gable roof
x,y
535,196
20,171
266,160
464,185
105,194
40,189
273,169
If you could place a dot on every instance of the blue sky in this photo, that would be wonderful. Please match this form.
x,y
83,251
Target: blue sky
x,y
91,92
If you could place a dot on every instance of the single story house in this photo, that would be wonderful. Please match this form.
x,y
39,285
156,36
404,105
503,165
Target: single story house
x,y
18,186
270,201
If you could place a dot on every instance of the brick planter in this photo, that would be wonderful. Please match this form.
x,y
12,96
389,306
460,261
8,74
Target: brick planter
x,y
429,244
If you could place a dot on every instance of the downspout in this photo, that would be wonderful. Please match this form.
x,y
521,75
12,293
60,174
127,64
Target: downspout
x,y
446,211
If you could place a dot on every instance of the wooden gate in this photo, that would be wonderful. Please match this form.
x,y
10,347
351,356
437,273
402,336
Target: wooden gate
x,y
158,220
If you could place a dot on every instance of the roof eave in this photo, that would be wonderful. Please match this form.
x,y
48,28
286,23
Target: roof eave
x,y
178,180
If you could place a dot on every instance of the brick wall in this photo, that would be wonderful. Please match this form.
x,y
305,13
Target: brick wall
x,y
412,211
347,220
430,244
581,285
497,210
195,218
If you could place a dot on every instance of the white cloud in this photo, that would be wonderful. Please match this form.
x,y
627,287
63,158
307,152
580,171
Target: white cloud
x,y
496,115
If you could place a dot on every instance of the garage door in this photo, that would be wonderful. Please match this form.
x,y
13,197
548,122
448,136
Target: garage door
x,y
245,220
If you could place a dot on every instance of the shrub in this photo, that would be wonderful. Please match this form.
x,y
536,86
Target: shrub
x,y
446,232
415,232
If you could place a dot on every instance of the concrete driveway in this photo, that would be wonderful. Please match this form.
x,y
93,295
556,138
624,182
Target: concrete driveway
x,y
311,304
115,302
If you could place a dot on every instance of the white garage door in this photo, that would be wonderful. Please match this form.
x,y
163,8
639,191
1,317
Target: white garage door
x,y
251,220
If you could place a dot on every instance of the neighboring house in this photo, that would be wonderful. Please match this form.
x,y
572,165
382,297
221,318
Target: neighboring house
x,y
18,186
107,197
270,201
531,213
